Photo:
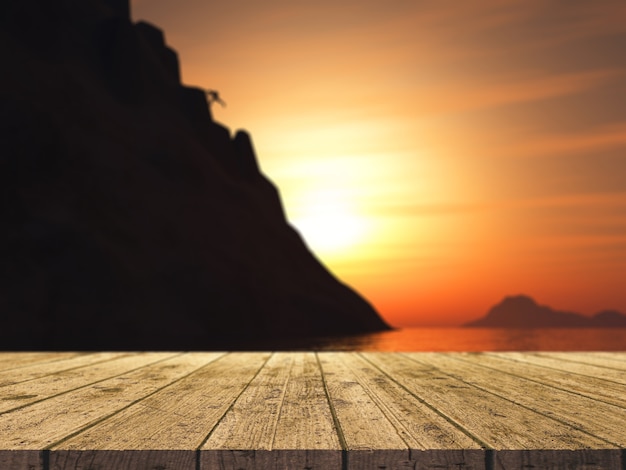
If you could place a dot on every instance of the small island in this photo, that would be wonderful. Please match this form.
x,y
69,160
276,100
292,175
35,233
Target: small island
x,y
521,311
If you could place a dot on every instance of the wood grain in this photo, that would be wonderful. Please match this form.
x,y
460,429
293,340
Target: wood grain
x,y
47,386
44,423
572,367
312,411
21,460
175,420
15,360
598,419
433,441
498,423
588,358
601,390
370,439
38,369
284,416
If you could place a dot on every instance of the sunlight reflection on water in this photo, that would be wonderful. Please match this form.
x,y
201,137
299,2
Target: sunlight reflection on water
x,y
481,339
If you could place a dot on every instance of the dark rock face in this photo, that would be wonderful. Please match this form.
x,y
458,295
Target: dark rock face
x,y
523,312
131,219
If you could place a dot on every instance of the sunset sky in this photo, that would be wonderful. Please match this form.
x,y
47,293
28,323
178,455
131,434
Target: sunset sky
x,y
436,155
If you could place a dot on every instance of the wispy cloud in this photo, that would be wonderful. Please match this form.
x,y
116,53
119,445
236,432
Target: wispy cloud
x,y
588,141
462,96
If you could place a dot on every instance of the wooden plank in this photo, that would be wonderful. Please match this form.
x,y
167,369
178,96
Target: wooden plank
x,y
306,411
154,459
496,422
21,460
43,424
369,438
28,392
587,358
612,355
175,420
612,375
15,360
596,418
433,441
256,411
598,389
306,421
561,459
298,431
37,370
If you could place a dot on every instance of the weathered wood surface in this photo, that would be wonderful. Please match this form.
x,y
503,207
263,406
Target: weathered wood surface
x,y
310,411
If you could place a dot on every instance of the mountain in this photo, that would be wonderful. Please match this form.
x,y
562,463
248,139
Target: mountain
x,y
132,219
523,312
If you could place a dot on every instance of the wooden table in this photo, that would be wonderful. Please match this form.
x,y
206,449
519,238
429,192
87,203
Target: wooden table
x,y
310,411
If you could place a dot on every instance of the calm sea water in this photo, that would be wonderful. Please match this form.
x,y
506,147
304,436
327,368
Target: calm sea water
x,y
481,339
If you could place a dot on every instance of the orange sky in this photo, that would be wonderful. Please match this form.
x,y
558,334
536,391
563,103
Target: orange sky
x,y
437,155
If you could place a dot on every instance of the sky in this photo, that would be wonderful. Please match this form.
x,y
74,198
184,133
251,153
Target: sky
x,y
436,155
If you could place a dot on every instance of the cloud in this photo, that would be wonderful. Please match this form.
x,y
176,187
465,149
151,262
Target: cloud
x,y
412,209
532,22
594,139
466,96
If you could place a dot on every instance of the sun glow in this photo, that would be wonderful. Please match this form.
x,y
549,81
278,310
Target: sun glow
x,y
330,223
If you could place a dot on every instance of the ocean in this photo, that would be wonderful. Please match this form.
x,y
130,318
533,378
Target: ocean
x,y
480,339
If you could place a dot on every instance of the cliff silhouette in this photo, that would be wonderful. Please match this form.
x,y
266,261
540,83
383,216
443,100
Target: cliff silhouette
x,y
132,219
522,311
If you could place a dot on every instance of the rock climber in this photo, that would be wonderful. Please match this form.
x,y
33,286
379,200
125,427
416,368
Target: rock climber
x,y
214,97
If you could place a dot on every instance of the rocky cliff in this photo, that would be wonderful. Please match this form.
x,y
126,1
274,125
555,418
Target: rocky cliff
x,y
133,220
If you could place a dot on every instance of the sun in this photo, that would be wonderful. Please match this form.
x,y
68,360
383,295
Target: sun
x,y
330,222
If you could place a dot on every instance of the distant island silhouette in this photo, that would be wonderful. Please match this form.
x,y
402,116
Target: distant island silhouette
x,y
133,220
522,311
